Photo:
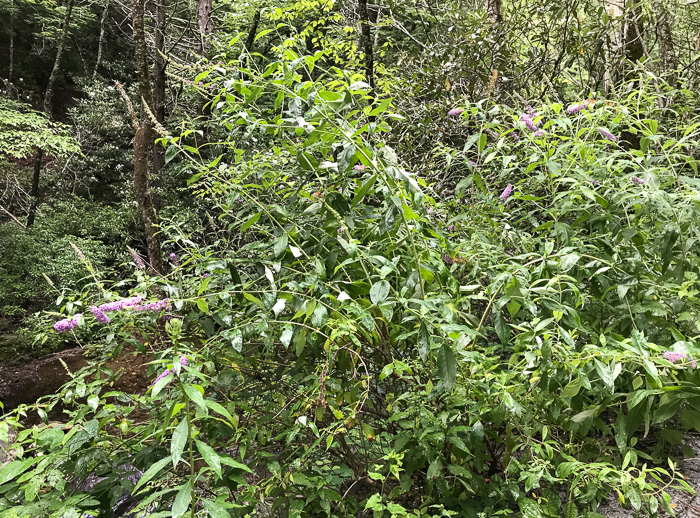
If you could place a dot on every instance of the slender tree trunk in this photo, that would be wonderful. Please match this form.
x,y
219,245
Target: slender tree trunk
x,y
11,65
494,11
205,26
253,31
100,42
143,140
48,97
48,109
667,52
366,41
34,193
159,86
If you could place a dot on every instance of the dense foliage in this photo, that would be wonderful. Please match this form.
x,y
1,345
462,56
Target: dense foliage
x,y
405,288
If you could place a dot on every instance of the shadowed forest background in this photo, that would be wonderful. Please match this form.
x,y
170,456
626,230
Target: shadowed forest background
x,y
333,258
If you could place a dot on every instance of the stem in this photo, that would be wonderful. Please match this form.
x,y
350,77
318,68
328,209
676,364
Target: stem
x,y
189,441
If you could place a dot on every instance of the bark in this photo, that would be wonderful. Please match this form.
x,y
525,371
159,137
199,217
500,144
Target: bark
x,y
143,140
667,52
366,41
100,42
48,109
11,65
252,32
206,26
494,11
159,85
34,193
48,97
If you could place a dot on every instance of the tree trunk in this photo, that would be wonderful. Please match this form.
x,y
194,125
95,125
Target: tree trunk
x,y
252,32
667,52
48,97
34,193
494,11
11,64
100,42
48,109
205,26
143,140
159,86
366,41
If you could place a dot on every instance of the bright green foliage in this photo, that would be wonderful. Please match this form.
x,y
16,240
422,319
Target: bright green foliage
x,y
359,337
23,131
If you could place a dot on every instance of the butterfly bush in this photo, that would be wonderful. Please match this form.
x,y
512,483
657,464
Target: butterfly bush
x,y
183,363
637,180
137,259
455,112
507,192
119,304
67,324
575,108
674,357
607,135
153,307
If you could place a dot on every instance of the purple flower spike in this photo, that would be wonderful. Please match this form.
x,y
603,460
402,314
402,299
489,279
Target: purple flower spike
x,y
606,134
137,259
593,181
63,325
575,108
527,119
637,180
99,315
507,192
153,307
183,361
359,167
538,133
119,304
163,375
455,112
174,259
674,357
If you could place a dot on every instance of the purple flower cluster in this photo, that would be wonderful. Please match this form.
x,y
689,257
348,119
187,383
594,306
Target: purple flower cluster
x,y
119,305
67,324
594,181
515,136
527,119
455,112
507,192
183,363
359,167
606,134
674,357
637,180
99,315
137,259
153,307
174,259
575,108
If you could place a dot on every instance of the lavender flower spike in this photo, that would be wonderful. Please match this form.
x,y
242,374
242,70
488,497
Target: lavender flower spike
x,y
606,134
527,119
507,192
99,315
174,259
183,361
120,304
455,112
63,325
153,307
137,259
637,180
163,375
575,108
674,357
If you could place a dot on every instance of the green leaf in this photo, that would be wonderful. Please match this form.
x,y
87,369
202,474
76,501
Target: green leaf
x,y
568,261
362,192
501,326
178,441
194,393
171,152
447,368
235,336
582,416
251,221
423,342
209,456
215,510
15,468
570,510
571,388
151,472
379,291
280,245
530,509
319,316
234,464
182,500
